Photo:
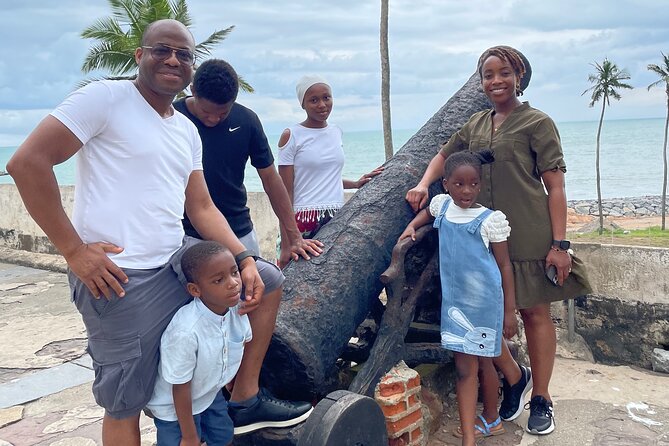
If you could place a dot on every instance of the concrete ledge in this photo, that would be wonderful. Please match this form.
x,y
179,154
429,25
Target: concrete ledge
x,y
630,283
631,273
627,316
50,262
18,231
621,331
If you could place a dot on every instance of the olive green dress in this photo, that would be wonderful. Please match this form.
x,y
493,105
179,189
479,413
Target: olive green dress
x,y
526,144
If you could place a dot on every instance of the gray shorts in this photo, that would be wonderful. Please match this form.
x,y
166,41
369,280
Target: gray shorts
x,y
124,333
250,241
270,274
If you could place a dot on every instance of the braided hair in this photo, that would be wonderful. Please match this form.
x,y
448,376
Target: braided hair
x,y
467,158
509,55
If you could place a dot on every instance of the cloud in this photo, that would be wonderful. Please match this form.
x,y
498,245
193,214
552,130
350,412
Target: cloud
x,y
434,46
16,124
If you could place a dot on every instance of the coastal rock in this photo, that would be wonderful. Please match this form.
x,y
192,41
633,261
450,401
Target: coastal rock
x,y
616,207
660,360
583,209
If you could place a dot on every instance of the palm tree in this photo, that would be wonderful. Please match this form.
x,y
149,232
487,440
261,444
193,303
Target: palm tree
x,y
119,35
385,82
607,80
663,72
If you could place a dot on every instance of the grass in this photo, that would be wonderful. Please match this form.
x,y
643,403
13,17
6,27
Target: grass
x,y
651,236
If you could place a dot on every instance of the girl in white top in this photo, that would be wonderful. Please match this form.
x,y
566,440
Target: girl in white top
x,y
478,294
494,229
311,159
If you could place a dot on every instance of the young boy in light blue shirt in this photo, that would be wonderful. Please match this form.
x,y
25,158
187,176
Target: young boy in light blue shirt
x,y
201,351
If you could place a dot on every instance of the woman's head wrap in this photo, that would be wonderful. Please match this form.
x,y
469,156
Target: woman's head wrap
x,y
305,82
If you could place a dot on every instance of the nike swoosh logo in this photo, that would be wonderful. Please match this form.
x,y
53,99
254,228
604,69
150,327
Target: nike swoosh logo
x,y
230,129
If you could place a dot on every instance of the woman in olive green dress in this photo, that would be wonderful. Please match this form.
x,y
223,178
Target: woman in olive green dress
x,y
526,182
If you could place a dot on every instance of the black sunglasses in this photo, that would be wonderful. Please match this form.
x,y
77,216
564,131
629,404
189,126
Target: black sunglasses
x,y
163,52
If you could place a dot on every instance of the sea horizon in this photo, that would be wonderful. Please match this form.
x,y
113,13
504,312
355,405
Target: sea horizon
x,y
630,150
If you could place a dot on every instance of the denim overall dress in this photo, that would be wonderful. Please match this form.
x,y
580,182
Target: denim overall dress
x,y
472,301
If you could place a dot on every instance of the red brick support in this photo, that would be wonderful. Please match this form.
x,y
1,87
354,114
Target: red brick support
x,y
398,395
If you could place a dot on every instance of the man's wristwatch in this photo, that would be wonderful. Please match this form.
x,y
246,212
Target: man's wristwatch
x,y
562,245
244,254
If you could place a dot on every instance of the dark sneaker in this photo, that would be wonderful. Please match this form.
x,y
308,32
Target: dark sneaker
x,y
268,412
513,396
541,420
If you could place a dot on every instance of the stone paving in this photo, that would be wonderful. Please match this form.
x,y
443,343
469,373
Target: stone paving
x,y
45,378
595,405
45,373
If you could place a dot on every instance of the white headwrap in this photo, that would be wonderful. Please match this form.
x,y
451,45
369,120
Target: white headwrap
x,y
307,81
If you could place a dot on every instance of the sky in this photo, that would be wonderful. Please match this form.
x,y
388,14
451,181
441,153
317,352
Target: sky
x,y
434,46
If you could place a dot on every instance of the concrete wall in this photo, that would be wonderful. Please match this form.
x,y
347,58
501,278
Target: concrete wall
x,y
19,231
17,228
630,273
626,272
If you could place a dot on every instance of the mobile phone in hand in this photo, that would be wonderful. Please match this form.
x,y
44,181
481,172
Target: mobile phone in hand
x,y
551,274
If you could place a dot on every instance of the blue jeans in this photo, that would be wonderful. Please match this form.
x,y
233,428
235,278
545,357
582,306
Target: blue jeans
x,y
214,426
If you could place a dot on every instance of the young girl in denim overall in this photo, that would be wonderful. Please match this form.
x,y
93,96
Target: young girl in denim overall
x,y
478,302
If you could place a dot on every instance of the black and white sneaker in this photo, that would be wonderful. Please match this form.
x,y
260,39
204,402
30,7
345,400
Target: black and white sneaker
x,y
268,411
541,420
513,396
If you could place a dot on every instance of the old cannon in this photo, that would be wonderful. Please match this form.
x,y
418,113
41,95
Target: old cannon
x,y
326,299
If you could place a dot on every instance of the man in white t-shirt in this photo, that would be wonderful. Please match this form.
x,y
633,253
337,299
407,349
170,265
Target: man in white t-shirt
x,y
138,167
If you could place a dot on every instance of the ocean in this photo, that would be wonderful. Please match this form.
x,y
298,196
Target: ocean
x,y
631,157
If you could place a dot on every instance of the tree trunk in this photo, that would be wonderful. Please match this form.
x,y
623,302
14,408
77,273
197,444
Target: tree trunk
x,y
664,158
599,181
385,82
325,299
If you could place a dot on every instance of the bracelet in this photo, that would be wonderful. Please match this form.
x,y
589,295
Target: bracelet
x,y
243,255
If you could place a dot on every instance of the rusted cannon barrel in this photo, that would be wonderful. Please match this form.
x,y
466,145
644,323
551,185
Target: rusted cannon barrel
x,y
326,298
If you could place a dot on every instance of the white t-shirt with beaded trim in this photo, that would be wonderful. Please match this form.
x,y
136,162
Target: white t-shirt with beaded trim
x,y
317,156
494,229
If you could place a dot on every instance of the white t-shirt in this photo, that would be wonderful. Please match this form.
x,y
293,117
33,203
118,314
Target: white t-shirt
x,y
201,347
494,229
317,156
132,171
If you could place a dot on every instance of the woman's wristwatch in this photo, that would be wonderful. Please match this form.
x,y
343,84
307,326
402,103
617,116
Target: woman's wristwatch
x,y
561,245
